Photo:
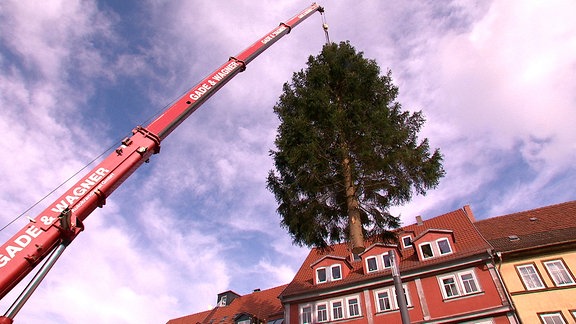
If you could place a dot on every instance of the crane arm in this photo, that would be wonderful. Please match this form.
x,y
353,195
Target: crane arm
x,y
63,219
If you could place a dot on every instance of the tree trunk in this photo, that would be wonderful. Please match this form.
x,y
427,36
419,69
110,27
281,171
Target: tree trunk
x,y
354,221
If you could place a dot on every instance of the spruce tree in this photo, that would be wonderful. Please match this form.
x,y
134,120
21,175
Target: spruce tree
x,y
346,151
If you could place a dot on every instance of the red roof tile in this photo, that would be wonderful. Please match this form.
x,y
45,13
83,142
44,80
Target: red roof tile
x,y
264,305
468,242
533,228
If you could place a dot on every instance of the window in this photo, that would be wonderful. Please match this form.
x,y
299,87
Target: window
x,y
321,275
468,283
324,275
386,299
552,318
246,321
559,273
406,241
386,260
336,272
337,311
444,246
530,277
322,313
426,249
458,284
371,264
306,314
330,310
406,296
353,307
450,287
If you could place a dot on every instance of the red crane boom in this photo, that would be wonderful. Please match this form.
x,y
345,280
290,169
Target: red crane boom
x,y
50,232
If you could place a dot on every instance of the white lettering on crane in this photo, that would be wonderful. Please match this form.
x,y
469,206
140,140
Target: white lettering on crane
x,y
307,11
18,244
218,76
23,240
273,34
78,192
201,90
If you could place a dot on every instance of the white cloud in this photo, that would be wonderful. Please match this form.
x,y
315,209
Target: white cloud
x,y
494,80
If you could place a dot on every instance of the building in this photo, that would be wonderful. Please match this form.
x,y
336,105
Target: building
x,y
259,307
536,252
447,271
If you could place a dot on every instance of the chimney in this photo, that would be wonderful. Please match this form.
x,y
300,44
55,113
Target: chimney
x,y
469,213
419,220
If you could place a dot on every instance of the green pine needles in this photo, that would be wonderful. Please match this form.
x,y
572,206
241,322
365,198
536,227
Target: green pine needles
x,y
346,152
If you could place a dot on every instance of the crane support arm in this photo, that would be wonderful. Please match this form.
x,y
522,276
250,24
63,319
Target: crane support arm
x,y
193,99
63,219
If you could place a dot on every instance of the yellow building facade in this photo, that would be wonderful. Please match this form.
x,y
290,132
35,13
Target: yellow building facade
x,y
542,287
535,252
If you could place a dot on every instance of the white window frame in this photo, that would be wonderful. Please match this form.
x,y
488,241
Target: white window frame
x,y
391,291
532,276
329,309
386,255
325,275
458,283
409,237
474,280
368,265
332,278
422,251
379,262
329,274
350,315
562,271
326,312
377,300
246,321
332,309
453,284
552,316
304,320
449,246
406,293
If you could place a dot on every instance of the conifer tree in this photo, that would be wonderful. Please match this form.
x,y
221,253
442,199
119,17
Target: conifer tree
x,y
346,151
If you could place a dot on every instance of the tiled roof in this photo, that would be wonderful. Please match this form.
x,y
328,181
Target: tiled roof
x,y
264,305
468,242
543,226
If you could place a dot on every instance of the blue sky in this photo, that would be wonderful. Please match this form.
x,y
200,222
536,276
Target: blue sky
x,y
495,80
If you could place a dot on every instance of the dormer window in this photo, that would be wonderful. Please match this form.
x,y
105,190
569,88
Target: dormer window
x,y
386,260
377,263
439,247
444,246
331,273
321,275
426,249
336,272
433,243
330,268
371,264
406,241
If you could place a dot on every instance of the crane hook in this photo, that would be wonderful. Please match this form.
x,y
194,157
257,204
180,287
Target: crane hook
x,y
325,26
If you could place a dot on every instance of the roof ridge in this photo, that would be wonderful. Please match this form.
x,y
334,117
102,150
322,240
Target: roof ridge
x,y
553,206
